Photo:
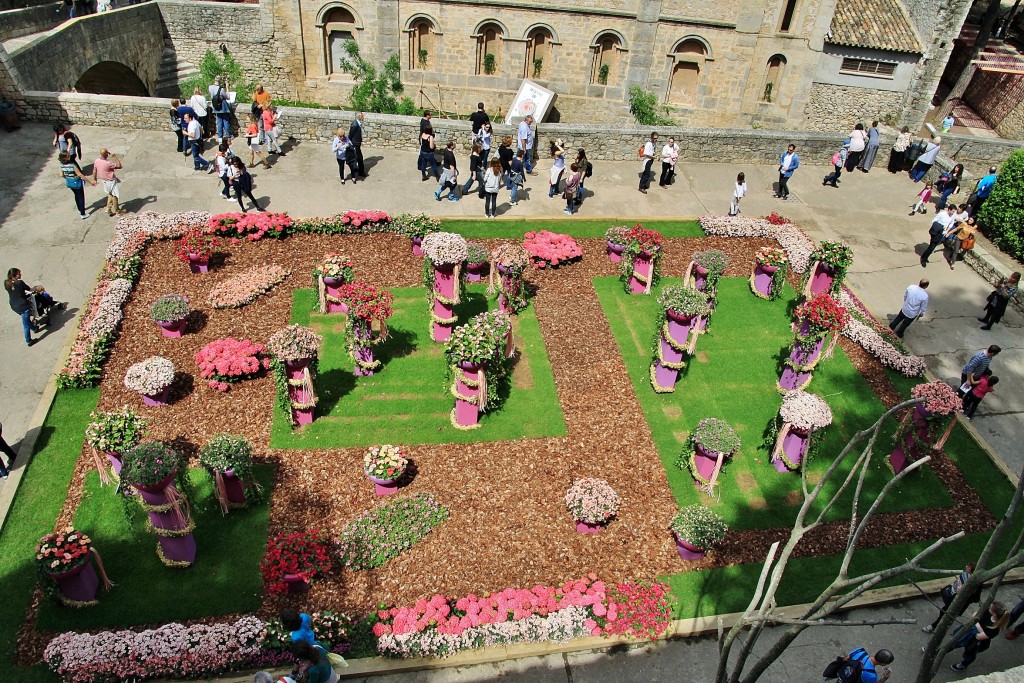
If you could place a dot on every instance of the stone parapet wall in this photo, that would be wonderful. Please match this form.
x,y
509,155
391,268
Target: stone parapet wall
x,y
22,22
841,107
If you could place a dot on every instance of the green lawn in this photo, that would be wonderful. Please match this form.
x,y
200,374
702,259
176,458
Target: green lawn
x,y
733,377
408,402
483,229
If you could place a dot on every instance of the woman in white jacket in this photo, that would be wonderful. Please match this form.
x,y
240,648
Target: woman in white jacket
x,y
198,104
492,183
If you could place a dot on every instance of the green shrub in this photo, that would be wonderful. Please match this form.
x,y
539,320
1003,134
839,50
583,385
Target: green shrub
x,y
212,66
376,92
1002,214
643,105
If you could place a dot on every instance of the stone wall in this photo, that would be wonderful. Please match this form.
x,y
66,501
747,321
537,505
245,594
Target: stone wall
x,y
22,22
938,23
841,107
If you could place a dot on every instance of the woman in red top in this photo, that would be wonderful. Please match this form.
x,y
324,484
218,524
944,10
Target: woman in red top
x,y
984,385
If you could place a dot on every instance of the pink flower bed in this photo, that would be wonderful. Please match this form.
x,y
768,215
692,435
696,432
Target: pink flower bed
x,y
230,360
246,287
134,231
939,398
250,226
103,313
798,246
870,338
551,248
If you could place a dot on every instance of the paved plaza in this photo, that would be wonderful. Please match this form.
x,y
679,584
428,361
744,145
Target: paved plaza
x,y
41,233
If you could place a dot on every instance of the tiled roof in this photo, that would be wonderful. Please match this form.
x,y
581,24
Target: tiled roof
x,y
876,24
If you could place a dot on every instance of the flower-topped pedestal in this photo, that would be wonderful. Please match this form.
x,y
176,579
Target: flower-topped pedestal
x,y
478,262
64,561
445,253
927,426
816,321
697,529
152,378
150,468
112,434
170,313
476,355
703,273
704,454
681,309
640,266
615,238
829,263
195,248
593,503
295,349
335,270
416,226
366,304
769,274
229,460
510,261
801,414
384,466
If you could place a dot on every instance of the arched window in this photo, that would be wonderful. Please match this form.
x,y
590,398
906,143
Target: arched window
x,y
689,56
538,50
606,59
488,49
773,79
339,27
422,44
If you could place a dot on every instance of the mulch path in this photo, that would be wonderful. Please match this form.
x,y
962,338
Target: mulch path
x,y
508,523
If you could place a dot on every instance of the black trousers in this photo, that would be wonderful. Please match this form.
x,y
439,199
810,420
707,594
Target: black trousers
x,y
852,159
645,179
833,177
783,185
900,324
932,246
666,174
359,160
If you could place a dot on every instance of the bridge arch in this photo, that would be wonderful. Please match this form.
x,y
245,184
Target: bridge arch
x,y
111,78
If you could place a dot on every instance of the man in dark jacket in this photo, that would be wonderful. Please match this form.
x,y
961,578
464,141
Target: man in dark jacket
x,y
479,118
355,136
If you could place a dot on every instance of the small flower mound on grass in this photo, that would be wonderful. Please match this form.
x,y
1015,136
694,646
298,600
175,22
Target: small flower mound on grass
x,y
551,248
294,343
170,308
385,532
247,286
939,398
716,436
196,243
699,525
250,226
805,411
593,501
307,554
230,360
151,376
384,462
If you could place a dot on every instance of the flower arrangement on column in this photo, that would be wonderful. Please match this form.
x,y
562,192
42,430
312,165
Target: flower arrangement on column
x,y
64,567
228,459
829,263
170,313
152,378
641,260
697,529
703,273
615,238
196,248
801,414
681,309
816,321
769,274
113,433
476,354
478,262
927,426
416,226
366,305
510,262
328,275
151,468
704,453
294,351
384,466
444,279
593,503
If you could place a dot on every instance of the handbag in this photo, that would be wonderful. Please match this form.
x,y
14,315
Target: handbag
x,y
967,242
74,183
832,670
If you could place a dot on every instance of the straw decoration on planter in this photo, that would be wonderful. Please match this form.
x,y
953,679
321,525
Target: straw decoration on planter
x,y
704,453
509,261
703,273
151,468
820,319
681,309
801,414
334,270
927,426
366,304
443,276
64,567
476,349
295,351
229,459
114,434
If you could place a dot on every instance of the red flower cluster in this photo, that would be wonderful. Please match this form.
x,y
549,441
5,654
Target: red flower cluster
x,y
230,360
60,552
196,242
645,239
365,301
777,219
250,226
364,219
551,248
308,554
823,313
644,611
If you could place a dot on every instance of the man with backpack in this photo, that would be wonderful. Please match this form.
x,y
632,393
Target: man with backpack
x,y
859,667
220,101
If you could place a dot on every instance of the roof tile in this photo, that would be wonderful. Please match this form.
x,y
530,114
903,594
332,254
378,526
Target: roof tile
x,y
877,24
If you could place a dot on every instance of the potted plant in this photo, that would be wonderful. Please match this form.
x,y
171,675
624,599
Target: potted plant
x,y
682,303
294,350
801,414
711,442
335,269
921,430
490,64
196,248
616,239
593,503
114,433
384,466
538,65
152,378
830,262
170,312
443,277
815,321
64,563
681,310
769,274
478,264
602,74
475,353
416,226
295,345
422,57
150,468
229,458
294,559
510,260
708,266
641,260
697,529
366,304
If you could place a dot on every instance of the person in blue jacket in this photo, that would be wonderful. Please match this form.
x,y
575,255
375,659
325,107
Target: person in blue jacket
x,y
788,162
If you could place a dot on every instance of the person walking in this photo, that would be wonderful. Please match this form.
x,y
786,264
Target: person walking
x,y
978,364
979,637
243,185
923,197
949,592
557,167
18,298
1005,290
505,155
858,143
484,138
516,177
586,170
75,180
868,665
449,174
949,183
175,123
647,155
739,191
491,185
874,139
788,163
103,170
220,103
525,137
972,399
838,161
195,138
252,138
345,155
476,172
982,190
355,136
427,148
479,118
271,131
571,186
962,240
898,154
223,166
915,305
1015,614
9,452
927,158
936,232
669,155
182,110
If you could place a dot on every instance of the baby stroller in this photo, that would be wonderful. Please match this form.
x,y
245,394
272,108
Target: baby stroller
x,y
41,305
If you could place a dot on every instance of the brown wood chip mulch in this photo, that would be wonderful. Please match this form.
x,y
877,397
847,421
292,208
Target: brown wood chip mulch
x,y
508,524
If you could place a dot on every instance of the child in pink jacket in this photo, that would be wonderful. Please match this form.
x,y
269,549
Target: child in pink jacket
x,y
922,198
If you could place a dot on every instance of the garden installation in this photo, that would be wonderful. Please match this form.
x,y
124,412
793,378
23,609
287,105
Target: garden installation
x,y
346,404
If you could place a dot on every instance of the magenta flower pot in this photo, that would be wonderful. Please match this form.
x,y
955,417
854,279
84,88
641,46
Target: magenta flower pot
x,y
476,272
467,414
384,487
296,584
234,487
157,487
795,447
587,528
822,278
198,263
763,279
157,399
706,460
78,584
172,329
643,265
417,249
615,252
331,281
115,462
688,551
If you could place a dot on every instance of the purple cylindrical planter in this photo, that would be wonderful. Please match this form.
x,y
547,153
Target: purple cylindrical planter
x,y
178,549
822,279
587,527
700,277
115,462
467,414
234,487
172,329
363,350
444,285
331,288
157,399
615,252
643,264
475,272
198,263
297,394
763,279
794,446
802,356
79,583
687,550
706,460
384,487
296,584
417,249
679,331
